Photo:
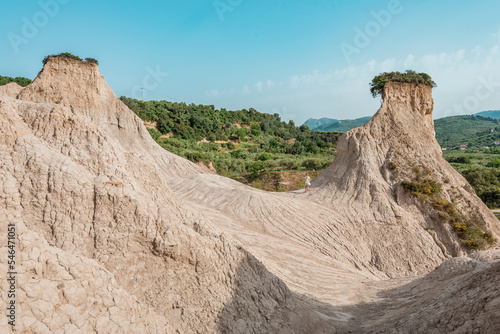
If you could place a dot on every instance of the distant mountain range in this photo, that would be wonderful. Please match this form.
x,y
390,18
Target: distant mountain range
x,y
314,123
329,124
489,113
480,129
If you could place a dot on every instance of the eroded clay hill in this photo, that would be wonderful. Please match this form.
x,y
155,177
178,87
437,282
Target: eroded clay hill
x,y
103,244
117,235
365,183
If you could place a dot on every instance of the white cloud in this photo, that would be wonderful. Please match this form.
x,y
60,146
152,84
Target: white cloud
x,y
294,81
258,85
409,61
213,93
388,65
497,35
270,84
478,51
494,50
344,92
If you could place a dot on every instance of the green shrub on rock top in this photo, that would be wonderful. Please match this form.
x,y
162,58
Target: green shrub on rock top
x,y
69,55
92,60
378,83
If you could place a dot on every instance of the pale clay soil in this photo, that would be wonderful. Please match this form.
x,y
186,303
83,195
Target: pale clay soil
x,y
117,235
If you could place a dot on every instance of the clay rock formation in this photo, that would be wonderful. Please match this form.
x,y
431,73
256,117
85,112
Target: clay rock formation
x,y
103,245
11,89
460,296
358,224
117,235
365,183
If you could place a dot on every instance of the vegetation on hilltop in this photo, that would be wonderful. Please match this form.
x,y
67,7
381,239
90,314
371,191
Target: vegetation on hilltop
x,y
70,56
199,122
471,130
250,146
378,83
19,80
236,142
478,130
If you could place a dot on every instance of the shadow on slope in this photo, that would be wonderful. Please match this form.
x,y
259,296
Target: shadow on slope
x,y
460,296
262,303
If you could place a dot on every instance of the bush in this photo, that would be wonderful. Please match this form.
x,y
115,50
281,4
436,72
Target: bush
x,y
460,227
443,205
155,134
256,168
378,83
208,147
165,125
265,156
241,134
425,186
195,157
220,136
23,82
471,229
61,55
212,137
239,154
69,56
253,149
255,129
290,164
312,164
92,60
272,164
459,160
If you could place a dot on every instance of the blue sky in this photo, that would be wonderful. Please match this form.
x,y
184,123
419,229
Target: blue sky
x,y
300,59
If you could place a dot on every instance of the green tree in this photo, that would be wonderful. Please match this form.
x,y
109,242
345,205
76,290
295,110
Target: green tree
x,y
23,82
239,154
265,156
297,148
212,137
195,156
256,168
312,164
255,130
165,124
241,134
